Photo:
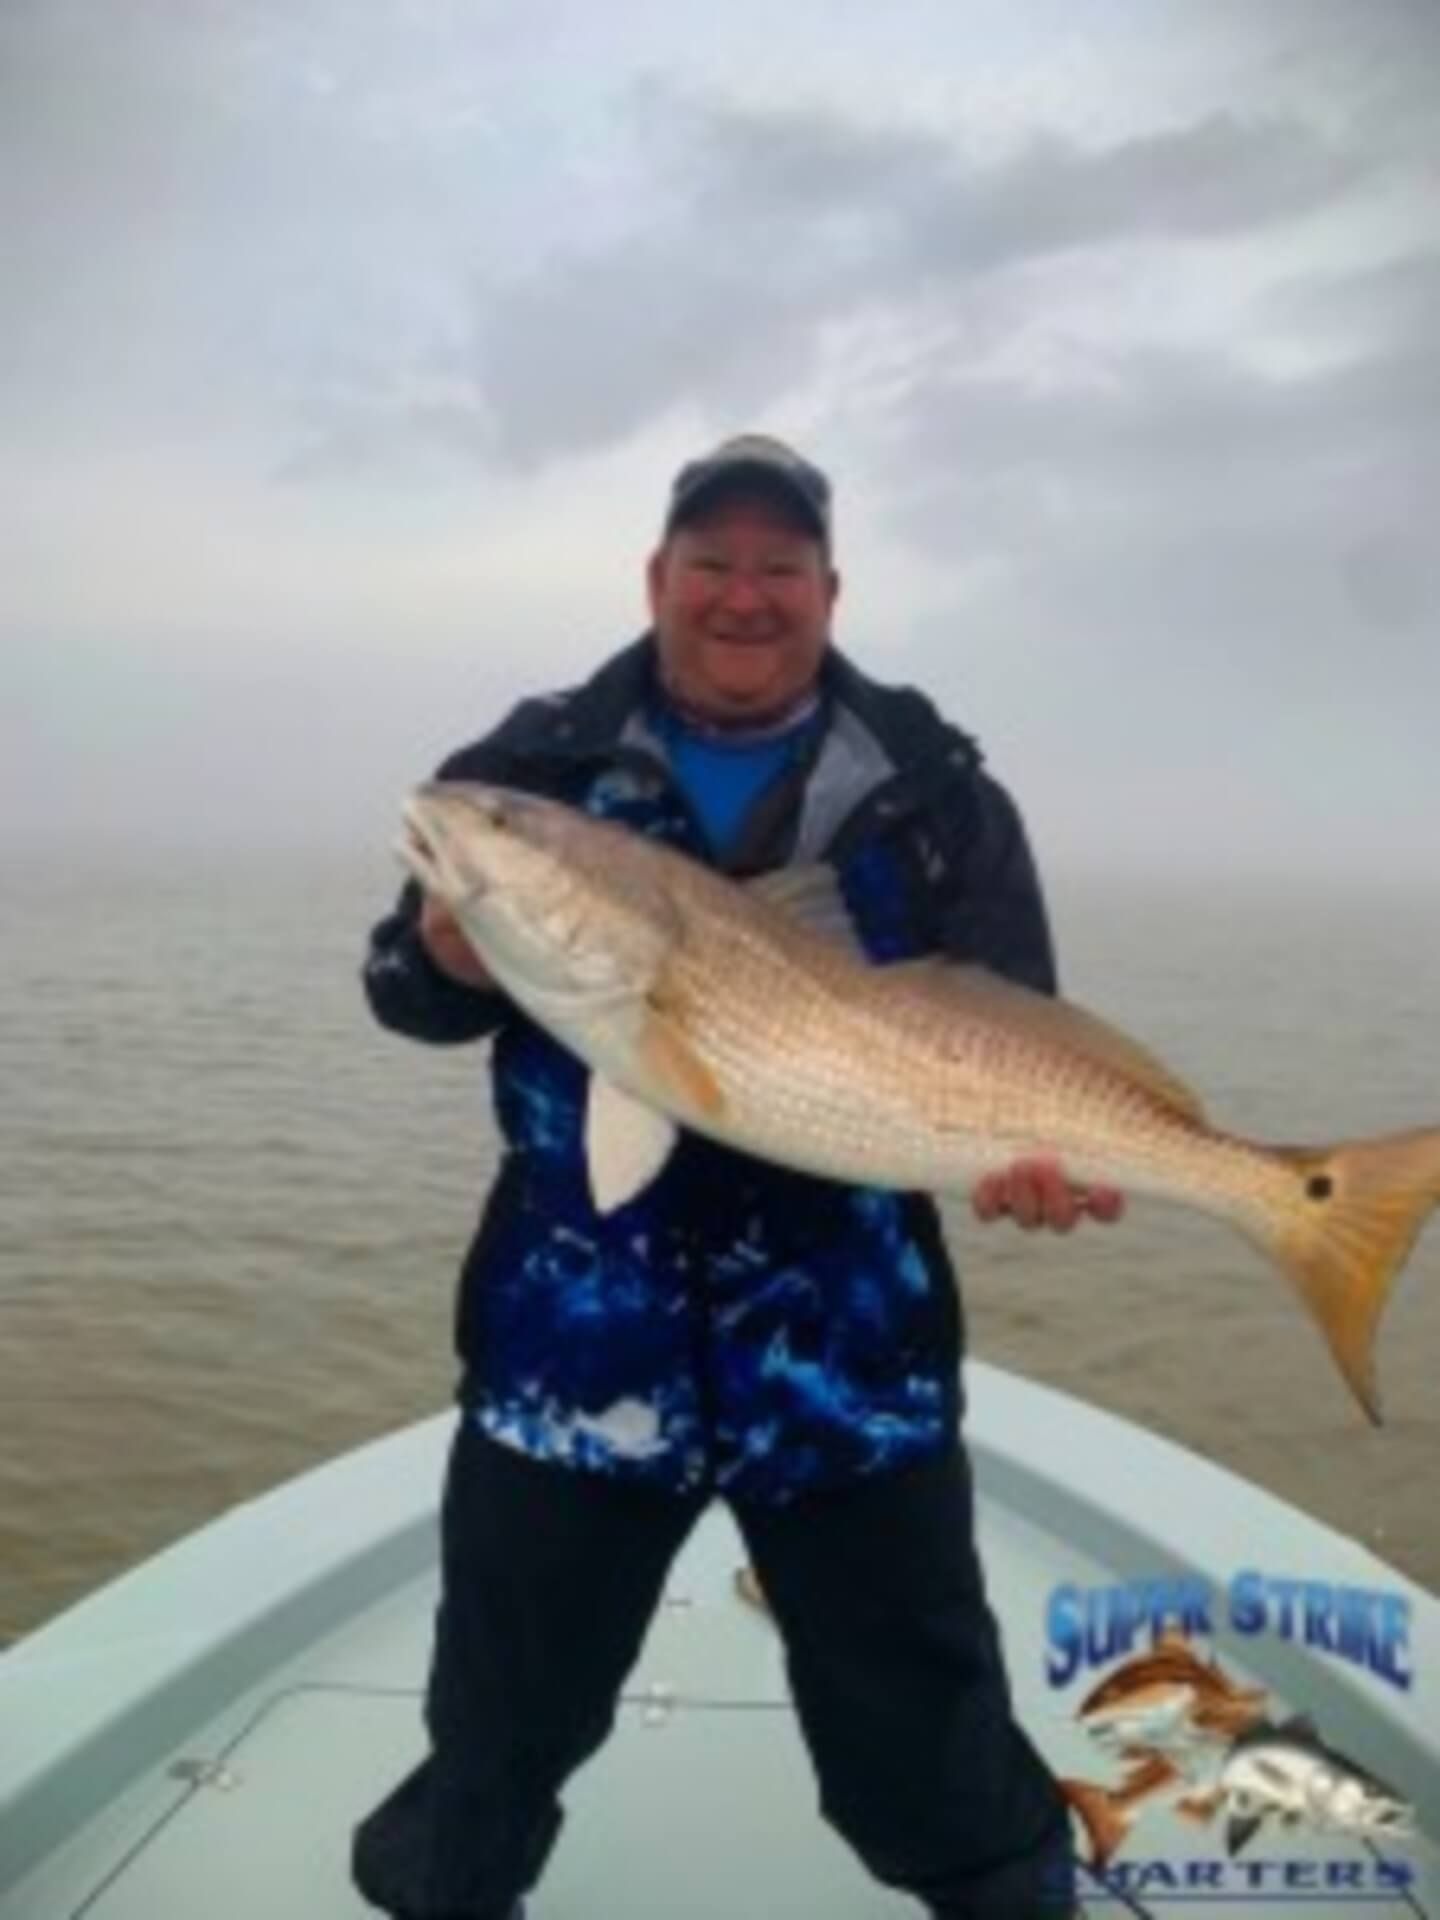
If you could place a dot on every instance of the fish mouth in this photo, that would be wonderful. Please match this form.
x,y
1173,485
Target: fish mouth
x,y
422,850
414,839
417,833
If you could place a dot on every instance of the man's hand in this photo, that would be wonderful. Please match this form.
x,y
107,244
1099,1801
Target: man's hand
x,y
447,946
1035,1193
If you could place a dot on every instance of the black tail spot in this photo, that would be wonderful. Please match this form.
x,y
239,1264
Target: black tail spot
x,y
1320,1186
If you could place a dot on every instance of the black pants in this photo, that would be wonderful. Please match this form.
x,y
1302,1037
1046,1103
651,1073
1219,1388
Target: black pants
x,y
550,1580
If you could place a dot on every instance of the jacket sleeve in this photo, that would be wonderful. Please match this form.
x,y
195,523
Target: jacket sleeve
x,y
995,913
409,994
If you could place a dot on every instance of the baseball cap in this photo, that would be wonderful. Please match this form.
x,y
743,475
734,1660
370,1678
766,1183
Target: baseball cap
x,y
761,460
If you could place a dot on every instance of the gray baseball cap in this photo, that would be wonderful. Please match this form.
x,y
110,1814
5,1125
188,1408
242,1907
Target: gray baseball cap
x,y
758,460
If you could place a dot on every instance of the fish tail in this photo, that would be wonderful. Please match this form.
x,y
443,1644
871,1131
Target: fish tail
x,y
1105,1820
1345,1230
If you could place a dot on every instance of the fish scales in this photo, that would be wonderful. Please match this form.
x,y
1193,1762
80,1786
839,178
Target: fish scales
x,y
883,1083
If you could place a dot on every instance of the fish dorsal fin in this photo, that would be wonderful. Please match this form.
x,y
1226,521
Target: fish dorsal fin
x,y
810,894
1170,1639
969,988
626,1144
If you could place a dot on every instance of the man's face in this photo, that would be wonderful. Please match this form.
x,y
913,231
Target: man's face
x,y
741,598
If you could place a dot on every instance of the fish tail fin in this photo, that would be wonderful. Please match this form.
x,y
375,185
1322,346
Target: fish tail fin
x,y
1345,1232
1106,1822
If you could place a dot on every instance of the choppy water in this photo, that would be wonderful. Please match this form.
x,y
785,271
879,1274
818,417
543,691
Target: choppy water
x,y
231,1208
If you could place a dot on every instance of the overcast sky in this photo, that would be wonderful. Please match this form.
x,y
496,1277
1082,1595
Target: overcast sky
x,y
347,348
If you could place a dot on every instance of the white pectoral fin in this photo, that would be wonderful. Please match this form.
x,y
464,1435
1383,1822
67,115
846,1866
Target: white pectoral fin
x,y
626,1144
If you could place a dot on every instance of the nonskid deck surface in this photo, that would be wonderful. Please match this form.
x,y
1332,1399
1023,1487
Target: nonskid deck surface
x,y
702,1804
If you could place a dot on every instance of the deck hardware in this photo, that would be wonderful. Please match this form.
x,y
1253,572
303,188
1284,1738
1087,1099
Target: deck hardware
x,y
659,1704
204,1773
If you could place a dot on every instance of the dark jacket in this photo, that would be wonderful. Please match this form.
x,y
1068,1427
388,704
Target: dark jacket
x,y
736,1325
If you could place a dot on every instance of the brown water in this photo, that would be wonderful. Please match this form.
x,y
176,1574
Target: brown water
x,y
231,1208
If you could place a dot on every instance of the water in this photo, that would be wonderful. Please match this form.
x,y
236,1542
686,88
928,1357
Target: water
x,y
231,1208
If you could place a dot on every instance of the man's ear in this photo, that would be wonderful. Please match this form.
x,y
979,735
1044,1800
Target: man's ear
x,y
655,577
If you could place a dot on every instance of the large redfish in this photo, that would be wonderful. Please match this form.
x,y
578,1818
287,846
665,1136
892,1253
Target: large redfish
x,y
745,1012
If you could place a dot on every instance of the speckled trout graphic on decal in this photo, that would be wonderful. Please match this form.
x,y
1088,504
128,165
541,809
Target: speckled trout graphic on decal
x,y
1189,1736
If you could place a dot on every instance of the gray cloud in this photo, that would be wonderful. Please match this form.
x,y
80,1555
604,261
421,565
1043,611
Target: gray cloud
x,y
1395,304
786,223
1201,441
1221,175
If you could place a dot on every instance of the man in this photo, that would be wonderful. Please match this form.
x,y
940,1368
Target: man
x,y
787,1343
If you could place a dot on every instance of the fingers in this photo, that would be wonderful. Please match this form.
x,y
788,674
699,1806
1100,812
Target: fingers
x,y
1060,1203
436,920
1105,1203
447,945
1035,1193
991,1197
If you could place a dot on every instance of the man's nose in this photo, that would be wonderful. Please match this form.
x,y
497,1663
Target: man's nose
x,y
743,591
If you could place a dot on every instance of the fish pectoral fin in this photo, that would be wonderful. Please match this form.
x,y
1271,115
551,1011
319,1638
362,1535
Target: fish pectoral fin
x,y
626,1144
975,989
1200,1807
668,1053
1240,1830
811,895
1300,1726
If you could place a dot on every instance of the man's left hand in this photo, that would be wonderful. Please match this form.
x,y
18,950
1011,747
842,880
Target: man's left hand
x,y
1035,1193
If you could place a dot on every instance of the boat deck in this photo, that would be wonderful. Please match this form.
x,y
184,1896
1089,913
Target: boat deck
x,y
702,1804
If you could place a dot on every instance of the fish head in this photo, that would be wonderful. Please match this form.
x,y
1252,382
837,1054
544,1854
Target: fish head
x,y
1148,1714
545,895
1159,1724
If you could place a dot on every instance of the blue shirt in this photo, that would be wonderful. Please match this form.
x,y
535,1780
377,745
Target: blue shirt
x,y
723,775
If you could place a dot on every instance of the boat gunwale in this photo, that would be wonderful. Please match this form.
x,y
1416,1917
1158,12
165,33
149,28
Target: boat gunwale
x,y
111,1687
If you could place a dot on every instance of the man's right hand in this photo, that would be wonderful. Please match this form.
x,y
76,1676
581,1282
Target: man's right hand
x,y
447,946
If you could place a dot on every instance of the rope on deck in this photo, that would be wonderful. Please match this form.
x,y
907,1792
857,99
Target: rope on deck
x,y
1401,1892
1112,1892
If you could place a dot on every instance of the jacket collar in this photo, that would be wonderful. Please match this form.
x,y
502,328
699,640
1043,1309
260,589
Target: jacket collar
x,y
592,717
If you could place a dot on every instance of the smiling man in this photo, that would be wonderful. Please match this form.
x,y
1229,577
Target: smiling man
x,y
738,1330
